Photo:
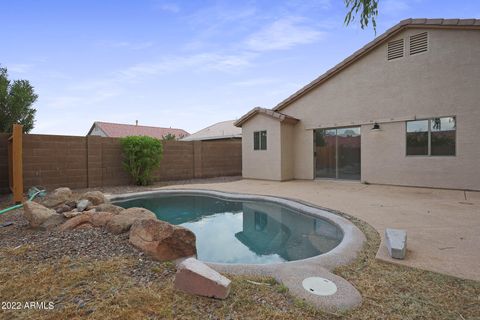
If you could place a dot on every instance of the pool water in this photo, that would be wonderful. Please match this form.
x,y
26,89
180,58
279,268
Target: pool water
x,y
247,232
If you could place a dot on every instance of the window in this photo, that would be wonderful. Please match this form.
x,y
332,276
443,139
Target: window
x,y
431,137
442,136
417,138
260,140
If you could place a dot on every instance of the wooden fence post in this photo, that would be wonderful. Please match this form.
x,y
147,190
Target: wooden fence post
x,y
15,163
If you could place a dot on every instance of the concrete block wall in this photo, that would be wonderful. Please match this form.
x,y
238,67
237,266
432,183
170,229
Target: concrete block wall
x,y
220,158
80,162
54,161
177,162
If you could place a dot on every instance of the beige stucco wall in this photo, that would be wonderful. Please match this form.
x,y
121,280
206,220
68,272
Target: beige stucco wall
x,y
275,163
441,82
287,151
262,164
444,81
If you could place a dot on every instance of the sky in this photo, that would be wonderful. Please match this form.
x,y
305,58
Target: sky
x,y
182,64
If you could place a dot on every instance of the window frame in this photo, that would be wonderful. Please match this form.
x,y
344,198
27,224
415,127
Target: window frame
x,y
258,134
429,137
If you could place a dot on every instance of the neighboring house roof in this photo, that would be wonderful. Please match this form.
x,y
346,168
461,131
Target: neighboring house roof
x,y
220,130
404,24
118,130
273,114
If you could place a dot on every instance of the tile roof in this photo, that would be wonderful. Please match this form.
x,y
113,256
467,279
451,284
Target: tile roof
x,y
402,25
273,114
219,130
118,130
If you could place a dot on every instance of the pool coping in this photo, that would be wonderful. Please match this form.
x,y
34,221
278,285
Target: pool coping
x,y
345,252
291,273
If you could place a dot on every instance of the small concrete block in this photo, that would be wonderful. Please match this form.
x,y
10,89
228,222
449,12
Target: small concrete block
x,y
197,278
396,241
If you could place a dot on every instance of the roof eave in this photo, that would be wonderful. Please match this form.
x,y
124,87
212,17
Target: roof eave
x,y
267,112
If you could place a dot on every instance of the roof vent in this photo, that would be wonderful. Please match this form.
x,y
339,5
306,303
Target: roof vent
x,y
419,43
395,49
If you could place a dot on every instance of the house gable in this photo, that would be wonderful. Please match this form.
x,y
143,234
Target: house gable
x,y
453,24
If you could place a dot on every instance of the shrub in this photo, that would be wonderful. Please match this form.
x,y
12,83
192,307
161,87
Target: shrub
x,y
142,156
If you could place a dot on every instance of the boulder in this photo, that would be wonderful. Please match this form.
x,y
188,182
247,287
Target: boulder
x,y
162,240
62,208
87,219
36,214
57,197
396,241
122,222
197,278
108,207
71,214
100,219
53,222
95,197
76,222
83,204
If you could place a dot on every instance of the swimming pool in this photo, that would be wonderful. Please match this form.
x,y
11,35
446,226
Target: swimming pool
x,y
242,230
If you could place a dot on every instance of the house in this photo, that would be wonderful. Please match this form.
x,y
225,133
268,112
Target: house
x,y
217,131
402,110
118,130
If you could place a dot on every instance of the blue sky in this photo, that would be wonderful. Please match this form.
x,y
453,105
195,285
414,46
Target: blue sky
x,y
184,64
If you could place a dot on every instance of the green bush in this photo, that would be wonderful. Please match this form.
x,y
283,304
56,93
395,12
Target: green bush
x,y
142,156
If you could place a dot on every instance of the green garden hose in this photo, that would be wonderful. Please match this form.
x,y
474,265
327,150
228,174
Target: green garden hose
x,y
32,193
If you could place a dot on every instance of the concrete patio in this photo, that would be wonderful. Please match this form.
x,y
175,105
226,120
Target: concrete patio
x,y
443,225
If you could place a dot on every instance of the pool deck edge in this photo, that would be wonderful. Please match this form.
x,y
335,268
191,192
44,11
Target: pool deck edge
x,y
292,273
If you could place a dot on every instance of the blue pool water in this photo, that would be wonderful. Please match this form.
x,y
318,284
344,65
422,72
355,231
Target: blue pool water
x,y
250,232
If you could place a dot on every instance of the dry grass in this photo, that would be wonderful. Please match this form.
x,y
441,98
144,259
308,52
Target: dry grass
x,y
84,288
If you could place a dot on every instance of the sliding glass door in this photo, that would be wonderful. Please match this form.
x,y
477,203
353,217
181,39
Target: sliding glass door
x,y
337,153
325,151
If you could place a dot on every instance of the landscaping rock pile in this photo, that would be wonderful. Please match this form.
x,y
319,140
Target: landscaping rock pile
x,y
122,222
36,214
159,239
57,197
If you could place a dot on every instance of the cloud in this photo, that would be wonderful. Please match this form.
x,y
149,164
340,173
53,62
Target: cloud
x,y
98,90
393,7
218,15
282,34
255,82
219,20
199,62
304,5
81,99
127,45
168,7
19,67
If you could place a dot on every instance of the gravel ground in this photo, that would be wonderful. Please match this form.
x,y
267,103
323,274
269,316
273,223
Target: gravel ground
x,y
92,243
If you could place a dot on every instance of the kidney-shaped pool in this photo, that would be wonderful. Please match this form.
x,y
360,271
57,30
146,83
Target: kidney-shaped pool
x,y
242,231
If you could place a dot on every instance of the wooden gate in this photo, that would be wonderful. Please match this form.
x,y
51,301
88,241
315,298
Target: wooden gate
x,y
15,163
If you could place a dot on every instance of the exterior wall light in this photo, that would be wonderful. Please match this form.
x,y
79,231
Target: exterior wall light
x,y
376,127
